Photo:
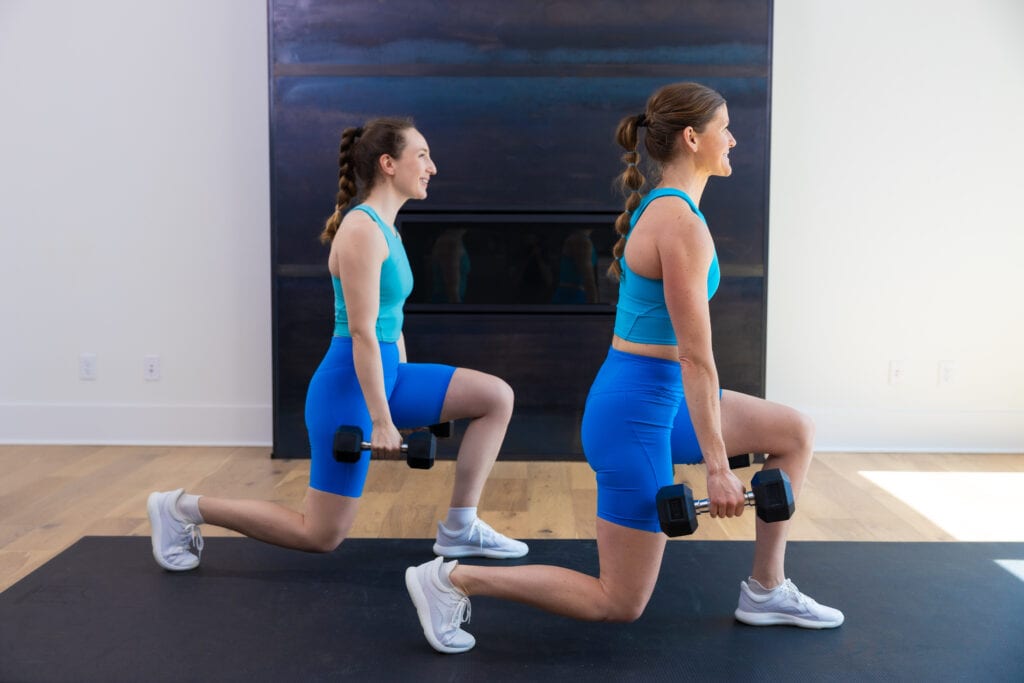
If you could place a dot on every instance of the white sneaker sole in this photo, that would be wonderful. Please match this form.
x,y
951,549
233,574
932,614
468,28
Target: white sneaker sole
x,y
476,551
780,619
156,525
419,599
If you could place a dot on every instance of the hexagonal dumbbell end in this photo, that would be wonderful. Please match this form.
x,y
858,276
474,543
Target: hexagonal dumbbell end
x,y
420,450
676,513
773,495
443,430
348,442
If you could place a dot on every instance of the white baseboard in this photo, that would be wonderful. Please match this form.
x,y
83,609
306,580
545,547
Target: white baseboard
x,y
135,424
981,431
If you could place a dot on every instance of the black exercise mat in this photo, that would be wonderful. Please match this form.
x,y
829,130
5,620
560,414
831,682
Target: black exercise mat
x,y
103,611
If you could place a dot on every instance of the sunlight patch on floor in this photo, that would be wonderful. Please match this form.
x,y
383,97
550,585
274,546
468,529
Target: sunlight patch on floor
x,y
1015,567
970,506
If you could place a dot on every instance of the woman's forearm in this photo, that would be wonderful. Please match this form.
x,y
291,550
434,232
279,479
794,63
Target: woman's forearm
x,y
370,372
700,386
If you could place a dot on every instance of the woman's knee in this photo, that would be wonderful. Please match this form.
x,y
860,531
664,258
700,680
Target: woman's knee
x,y
327,520
803,432
484,394
793,433
625,611
796,448
325,541
502,395
325,535
622,604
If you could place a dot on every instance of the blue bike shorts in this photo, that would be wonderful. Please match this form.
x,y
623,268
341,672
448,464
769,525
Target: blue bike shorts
x,y
415,392
635,428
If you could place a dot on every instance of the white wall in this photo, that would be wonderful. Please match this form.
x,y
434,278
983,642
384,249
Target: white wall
x,y
135,219
897,228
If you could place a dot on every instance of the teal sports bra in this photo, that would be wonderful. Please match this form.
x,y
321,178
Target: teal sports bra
x,y
641,315
395,287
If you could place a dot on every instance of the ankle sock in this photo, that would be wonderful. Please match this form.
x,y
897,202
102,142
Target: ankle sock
x,y
758,589
188,507
460,518
446,575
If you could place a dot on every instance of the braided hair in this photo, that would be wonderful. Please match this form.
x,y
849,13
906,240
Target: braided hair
x,y
670,110
358,156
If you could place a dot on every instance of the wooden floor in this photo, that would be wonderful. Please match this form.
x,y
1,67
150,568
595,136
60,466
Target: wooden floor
x,y
50,496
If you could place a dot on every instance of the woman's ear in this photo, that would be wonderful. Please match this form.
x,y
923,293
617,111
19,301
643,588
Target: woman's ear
x,y
387,164
688,137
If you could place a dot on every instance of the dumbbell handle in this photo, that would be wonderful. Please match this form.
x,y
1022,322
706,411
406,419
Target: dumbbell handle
x,y
704,504
366,445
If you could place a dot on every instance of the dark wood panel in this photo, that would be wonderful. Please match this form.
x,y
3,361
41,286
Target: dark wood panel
x,y
519,102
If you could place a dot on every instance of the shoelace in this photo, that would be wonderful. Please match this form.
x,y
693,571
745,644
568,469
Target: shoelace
x,y
195,538
482,530
461,614
790,589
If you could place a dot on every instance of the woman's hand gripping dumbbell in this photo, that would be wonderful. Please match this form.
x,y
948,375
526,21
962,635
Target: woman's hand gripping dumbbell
x,y
420,447
772,496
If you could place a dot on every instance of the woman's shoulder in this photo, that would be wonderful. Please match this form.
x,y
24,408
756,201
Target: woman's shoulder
x,y
359,234
355,216
358,224
671,216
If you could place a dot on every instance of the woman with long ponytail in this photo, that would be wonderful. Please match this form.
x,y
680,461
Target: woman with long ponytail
x,y
364,380
656,403
347,189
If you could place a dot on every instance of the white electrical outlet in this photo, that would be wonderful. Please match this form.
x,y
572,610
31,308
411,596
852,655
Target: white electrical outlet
x,y
947,371
151,368
897,372
87,366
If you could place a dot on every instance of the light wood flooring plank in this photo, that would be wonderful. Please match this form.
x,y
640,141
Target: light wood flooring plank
x,y
50,496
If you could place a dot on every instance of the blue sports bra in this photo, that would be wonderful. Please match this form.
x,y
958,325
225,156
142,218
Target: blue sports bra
x,y
395,287
641,315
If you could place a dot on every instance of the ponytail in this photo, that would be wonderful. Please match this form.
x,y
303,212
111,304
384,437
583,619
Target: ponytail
x,y
630,181
346,183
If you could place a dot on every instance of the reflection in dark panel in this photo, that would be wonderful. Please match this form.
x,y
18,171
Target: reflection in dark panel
x,y
519,102
536,260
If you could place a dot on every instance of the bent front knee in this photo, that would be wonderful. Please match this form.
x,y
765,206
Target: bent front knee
x,y
499,397
803,433
504,396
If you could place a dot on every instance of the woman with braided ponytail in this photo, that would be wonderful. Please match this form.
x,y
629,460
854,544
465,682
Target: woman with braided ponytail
x,y
364,379
655,403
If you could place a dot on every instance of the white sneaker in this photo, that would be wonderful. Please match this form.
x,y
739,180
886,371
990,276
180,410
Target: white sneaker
x,y
785,605
176,543
477,540
441,607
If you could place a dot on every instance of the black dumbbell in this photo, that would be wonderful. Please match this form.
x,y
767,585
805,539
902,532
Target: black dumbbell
x,y
772,496
419,447
443,430
675,502
742,460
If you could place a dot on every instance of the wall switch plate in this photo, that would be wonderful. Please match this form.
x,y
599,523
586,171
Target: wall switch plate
x,y
897,372
947,371
87,366
151,368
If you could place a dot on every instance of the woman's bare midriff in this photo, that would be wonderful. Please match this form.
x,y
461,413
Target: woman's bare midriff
x,y
663,351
